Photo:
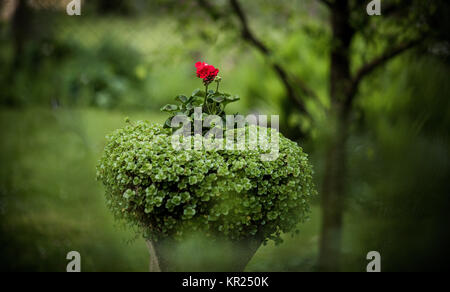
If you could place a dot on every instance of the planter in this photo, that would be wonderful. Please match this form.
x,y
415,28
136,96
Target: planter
x,y
201,255
229,195
242,188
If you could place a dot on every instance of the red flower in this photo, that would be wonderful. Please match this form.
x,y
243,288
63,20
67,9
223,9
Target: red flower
x,y
206,72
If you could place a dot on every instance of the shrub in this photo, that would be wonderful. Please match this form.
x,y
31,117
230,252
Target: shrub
x,y
231,194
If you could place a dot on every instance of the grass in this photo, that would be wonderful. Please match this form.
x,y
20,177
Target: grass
x,y
50,200
51,204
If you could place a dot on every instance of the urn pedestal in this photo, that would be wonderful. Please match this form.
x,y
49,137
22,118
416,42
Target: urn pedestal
x,y
201,255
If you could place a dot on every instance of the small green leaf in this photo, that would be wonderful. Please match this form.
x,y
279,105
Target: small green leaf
x,y
189,106
230,99
168,123
233,98
197,102
218,99
169,108
182,98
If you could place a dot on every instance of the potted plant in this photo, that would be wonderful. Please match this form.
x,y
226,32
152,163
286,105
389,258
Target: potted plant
x,y
204,208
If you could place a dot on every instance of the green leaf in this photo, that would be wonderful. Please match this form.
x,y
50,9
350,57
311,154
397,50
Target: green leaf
x,y
230,99
198,101
182,98
218,99
168,123
189,106
195,92
169,108
190,100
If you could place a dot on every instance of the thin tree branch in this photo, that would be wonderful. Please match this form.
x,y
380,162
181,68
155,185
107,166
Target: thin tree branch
x,y
247,34
377,62
250,37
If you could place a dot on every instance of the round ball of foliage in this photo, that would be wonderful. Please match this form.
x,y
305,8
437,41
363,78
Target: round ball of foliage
x,y
221,193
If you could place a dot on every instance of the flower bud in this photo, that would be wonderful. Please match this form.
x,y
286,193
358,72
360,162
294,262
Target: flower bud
x,y
218,79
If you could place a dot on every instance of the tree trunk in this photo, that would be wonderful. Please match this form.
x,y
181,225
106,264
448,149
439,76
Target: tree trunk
x,y
333,196
201,256
333,191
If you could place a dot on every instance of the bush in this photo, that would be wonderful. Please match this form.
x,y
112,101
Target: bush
x,y
222,194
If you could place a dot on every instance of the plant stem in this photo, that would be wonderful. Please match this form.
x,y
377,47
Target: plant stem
x,y
205,104
206,94
215,105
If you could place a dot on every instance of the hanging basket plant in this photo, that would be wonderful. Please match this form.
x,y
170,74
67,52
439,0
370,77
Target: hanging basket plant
x,y
230,198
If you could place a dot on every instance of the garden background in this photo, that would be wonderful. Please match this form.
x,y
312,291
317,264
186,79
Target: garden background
x,y
67,81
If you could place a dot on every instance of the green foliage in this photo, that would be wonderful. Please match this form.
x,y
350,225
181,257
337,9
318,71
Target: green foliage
x,y
228,194
98,77
212,103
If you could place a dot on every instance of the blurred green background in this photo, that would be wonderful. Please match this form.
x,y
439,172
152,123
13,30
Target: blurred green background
x,y
66,82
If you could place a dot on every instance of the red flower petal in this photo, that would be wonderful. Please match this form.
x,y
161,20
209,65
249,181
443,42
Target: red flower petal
x,y
206,72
